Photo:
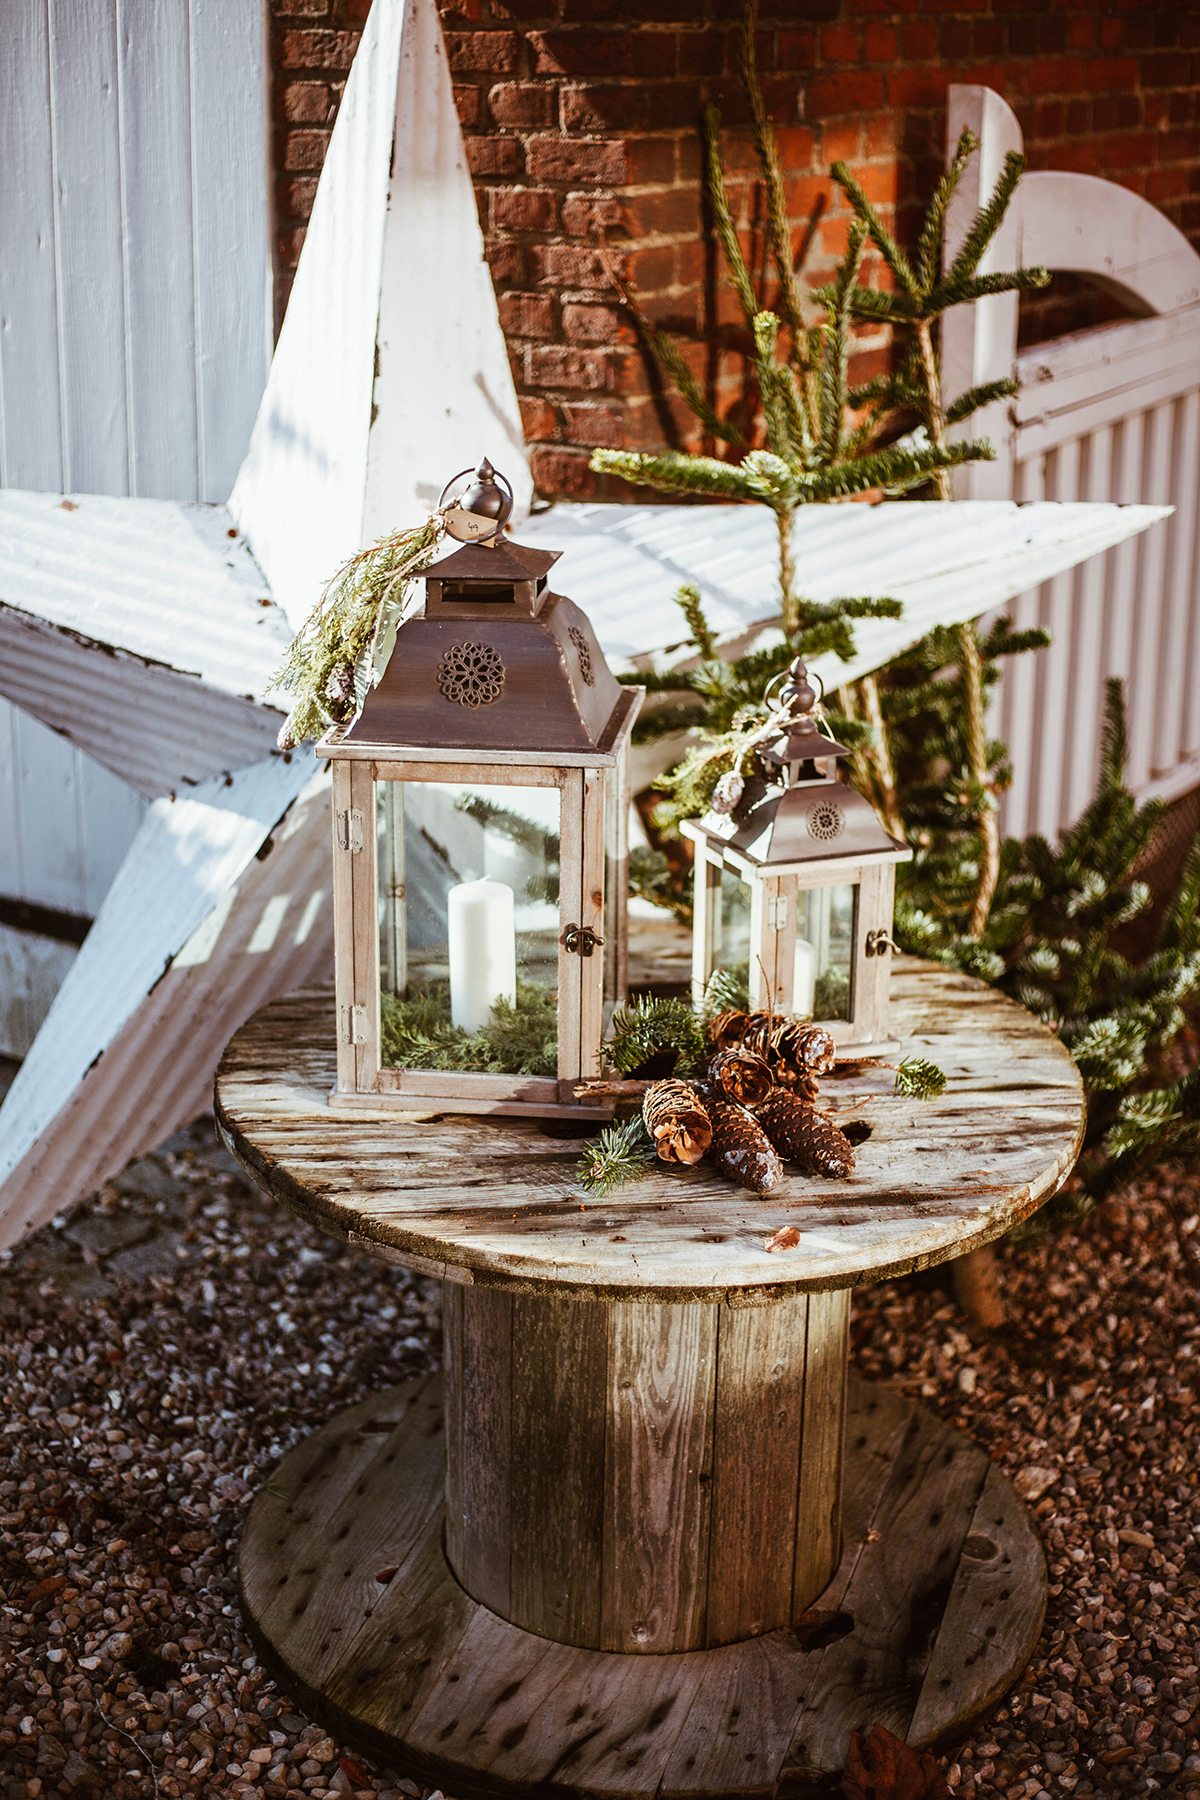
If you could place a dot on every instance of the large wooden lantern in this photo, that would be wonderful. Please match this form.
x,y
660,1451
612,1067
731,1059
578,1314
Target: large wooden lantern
x,y
479,842
797,881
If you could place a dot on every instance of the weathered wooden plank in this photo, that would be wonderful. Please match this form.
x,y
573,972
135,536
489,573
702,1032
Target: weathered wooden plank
x,y
31,448
452,1376
992,1618
570,977
757,1430
325,1589
591,916
92,325
819,1506
740,1723
499,1198
901,1583
398,1654
230,222
661,1370
439,1685
152,43
484,1562
291,1515
365,924
559,1353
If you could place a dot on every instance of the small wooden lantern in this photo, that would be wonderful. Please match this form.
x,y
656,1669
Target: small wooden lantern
x,y
480,847
797,880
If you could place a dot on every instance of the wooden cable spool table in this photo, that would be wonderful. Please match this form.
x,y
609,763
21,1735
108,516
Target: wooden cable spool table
x,y
643,1538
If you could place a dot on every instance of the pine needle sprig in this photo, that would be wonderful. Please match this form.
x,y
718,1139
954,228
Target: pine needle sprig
x,y
648,1027
360,607
688,600
919,1079
623,1152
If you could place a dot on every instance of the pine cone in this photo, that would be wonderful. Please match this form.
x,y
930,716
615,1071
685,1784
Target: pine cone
x,y
740,1147
677,1121
796,1050
813,1050
741,1076
803,1135
726,1029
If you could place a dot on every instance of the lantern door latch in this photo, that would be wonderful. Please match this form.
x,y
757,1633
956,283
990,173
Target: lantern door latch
x,y
349,824
581,940
880,942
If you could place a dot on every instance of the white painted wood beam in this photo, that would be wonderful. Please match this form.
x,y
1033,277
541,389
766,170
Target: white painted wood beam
x,y
392,274
624,564
142,630
202,924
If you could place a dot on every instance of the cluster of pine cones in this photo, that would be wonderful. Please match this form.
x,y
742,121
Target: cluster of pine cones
x,y
753,1109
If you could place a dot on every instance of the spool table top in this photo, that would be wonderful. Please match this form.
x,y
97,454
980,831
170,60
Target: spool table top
x,y
496,1201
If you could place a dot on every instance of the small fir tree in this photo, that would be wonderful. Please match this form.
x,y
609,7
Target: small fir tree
x,y
817,447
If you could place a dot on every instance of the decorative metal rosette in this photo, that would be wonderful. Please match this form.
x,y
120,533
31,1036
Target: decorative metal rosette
x,y
584,654
825,820
471,674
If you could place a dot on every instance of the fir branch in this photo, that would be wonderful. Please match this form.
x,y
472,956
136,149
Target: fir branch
x,y
833,385
973,398
929,250
871,303
919,1079
988,219
623,1152
647,1027
358,606
722,218
675,473
955,292
779,229
881,237
689,603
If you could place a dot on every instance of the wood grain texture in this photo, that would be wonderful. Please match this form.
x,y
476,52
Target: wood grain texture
x,y
819,1502
982,1631
657,1479
902,1581
443,1688
758,1426
559,1365
498,1201
482,1410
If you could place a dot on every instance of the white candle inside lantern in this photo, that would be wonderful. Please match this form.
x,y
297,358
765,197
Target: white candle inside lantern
x,y
804,978
483,951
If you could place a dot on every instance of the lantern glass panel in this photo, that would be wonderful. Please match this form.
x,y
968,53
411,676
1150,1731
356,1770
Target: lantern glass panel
x,y
825,925
734,947
468,925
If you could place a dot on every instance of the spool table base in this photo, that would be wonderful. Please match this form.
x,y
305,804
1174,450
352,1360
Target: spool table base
x,y
935,1608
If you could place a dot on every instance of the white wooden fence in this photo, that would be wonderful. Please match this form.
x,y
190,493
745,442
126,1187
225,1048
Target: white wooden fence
x,y
1112,414
134,344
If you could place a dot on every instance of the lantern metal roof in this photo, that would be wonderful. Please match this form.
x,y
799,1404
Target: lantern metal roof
x,y
497,662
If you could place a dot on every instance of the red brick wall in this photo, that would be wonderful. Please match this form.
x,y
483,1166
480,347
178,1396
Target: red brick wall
x,y
576,119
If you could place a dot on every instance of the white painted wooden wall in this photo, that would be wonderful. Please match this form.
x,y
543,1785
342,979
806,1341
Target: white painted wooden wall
x,y
134,344
1110,414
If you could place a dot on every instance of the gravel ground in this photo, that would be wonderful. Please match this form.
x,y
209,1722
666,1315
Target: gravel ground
x,y
163,1347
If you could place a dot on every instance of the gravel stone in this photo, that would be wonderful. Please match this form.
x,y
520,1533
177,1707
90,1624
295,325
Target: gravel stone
x,y
145,1396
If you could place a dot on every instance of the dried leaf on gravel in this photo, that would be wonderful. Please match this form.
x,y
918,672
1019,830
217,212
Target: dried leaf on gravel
x,y
882,1767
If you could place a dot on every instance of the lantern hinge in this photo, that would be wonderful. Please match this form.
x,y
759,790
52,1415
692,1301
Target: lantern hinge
x,y
349,828
777,913
354,1024
580,940
879,943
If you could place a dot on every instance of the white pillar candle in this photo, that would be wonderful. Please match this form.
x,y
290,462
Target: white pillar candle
x,y
483,951
804,978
